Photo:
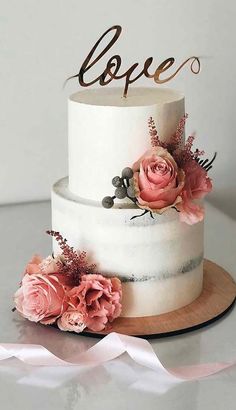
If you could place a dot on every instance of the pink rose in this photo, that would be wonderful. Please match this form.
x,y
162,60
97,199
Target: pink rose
x,y
158,182
40,265
71,321
197,185
41,298
97,298
50,264
33,265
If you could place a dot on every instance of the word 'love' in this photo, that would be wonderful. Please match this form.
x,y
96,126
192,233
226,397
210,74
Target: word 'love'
x,y
114,63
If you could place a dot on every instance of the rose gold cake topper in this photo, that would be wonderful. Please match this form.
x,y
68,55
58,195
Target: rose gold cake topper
x,y
114,63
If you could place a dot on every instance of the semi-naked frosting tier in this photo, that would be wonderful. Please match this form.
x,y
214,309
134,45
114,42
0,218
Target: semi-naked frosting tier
x,y
159,261
108,132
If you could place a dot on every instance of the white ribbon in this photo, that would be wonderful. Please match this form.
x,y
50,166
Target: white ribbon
x,y
107,349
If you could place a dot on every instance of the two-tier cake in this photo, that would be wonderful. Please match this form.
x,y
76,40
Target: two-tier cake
x,y
157,257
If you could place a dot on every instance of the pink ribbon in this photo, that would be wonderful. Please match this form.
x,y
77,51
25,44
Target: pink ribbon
x,y
107,349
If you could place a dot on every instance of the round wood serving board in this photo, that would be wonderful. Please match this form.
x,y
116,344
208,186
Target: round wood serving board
x,y
216,299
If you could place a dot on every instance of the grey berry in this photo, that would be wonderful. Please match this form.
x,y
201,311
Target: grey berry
x,y
127,173
117,182
121,192
130,192
107,202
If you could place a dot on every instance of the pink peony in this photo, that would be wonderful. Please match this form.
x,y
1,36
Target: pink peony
x,y
98,299
41,298
197,185
71,321
190,212
158,182
197,182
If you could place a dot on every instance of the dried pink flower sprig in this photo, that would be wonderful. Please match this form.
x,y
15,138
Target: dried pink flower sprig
x,y
73,264
181,153
63,290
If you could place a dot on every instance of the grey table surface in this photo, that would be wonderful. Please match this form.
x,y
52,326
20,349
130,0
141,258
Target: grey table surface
x,y
120,384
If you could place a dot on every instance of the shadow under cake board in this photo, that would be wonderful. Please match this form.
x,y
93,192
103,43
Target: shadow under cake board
x,y
217,298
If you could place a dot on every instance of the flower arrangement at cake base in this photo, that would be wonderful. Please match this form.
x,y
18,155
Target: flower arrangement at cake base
x,y
67,291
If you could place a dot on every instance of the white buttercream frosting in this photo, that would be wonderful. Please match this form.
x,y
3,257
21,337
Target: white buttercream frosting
x,y
158,259
108,132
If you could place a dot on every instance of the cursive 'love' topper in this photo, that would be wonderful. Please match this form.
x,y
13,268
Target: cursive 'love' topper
x,y
114,63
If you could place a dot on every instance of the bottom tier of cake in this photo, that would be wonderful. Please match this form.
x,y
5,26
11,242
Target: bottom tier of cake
x,y
159,261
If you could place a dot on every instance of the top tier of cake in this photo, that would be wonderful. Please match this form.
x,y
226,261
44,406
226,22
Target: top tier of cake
x,y
108,132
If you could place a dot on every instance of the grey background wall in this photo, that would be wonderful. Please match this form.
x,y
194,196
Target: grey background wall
x,y
43,42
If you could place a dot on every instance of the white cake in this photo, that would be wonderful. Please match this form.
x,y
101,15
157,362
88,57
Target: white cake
x,y
159,261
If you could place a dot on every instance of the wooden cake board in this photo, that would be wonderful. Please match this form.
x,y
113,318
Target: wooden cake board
x,y
216,299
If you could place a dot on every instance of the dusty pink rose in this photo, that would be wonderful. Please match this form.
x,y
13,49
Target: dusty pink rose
x,y
197,185
41,298
33,265
40,265
98,299
50,264
71,321
158,182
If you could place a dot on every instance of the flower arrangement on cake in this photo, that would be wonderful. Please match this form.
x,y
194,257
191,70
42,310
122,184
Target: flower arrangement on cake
x,y
168,175
67,291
